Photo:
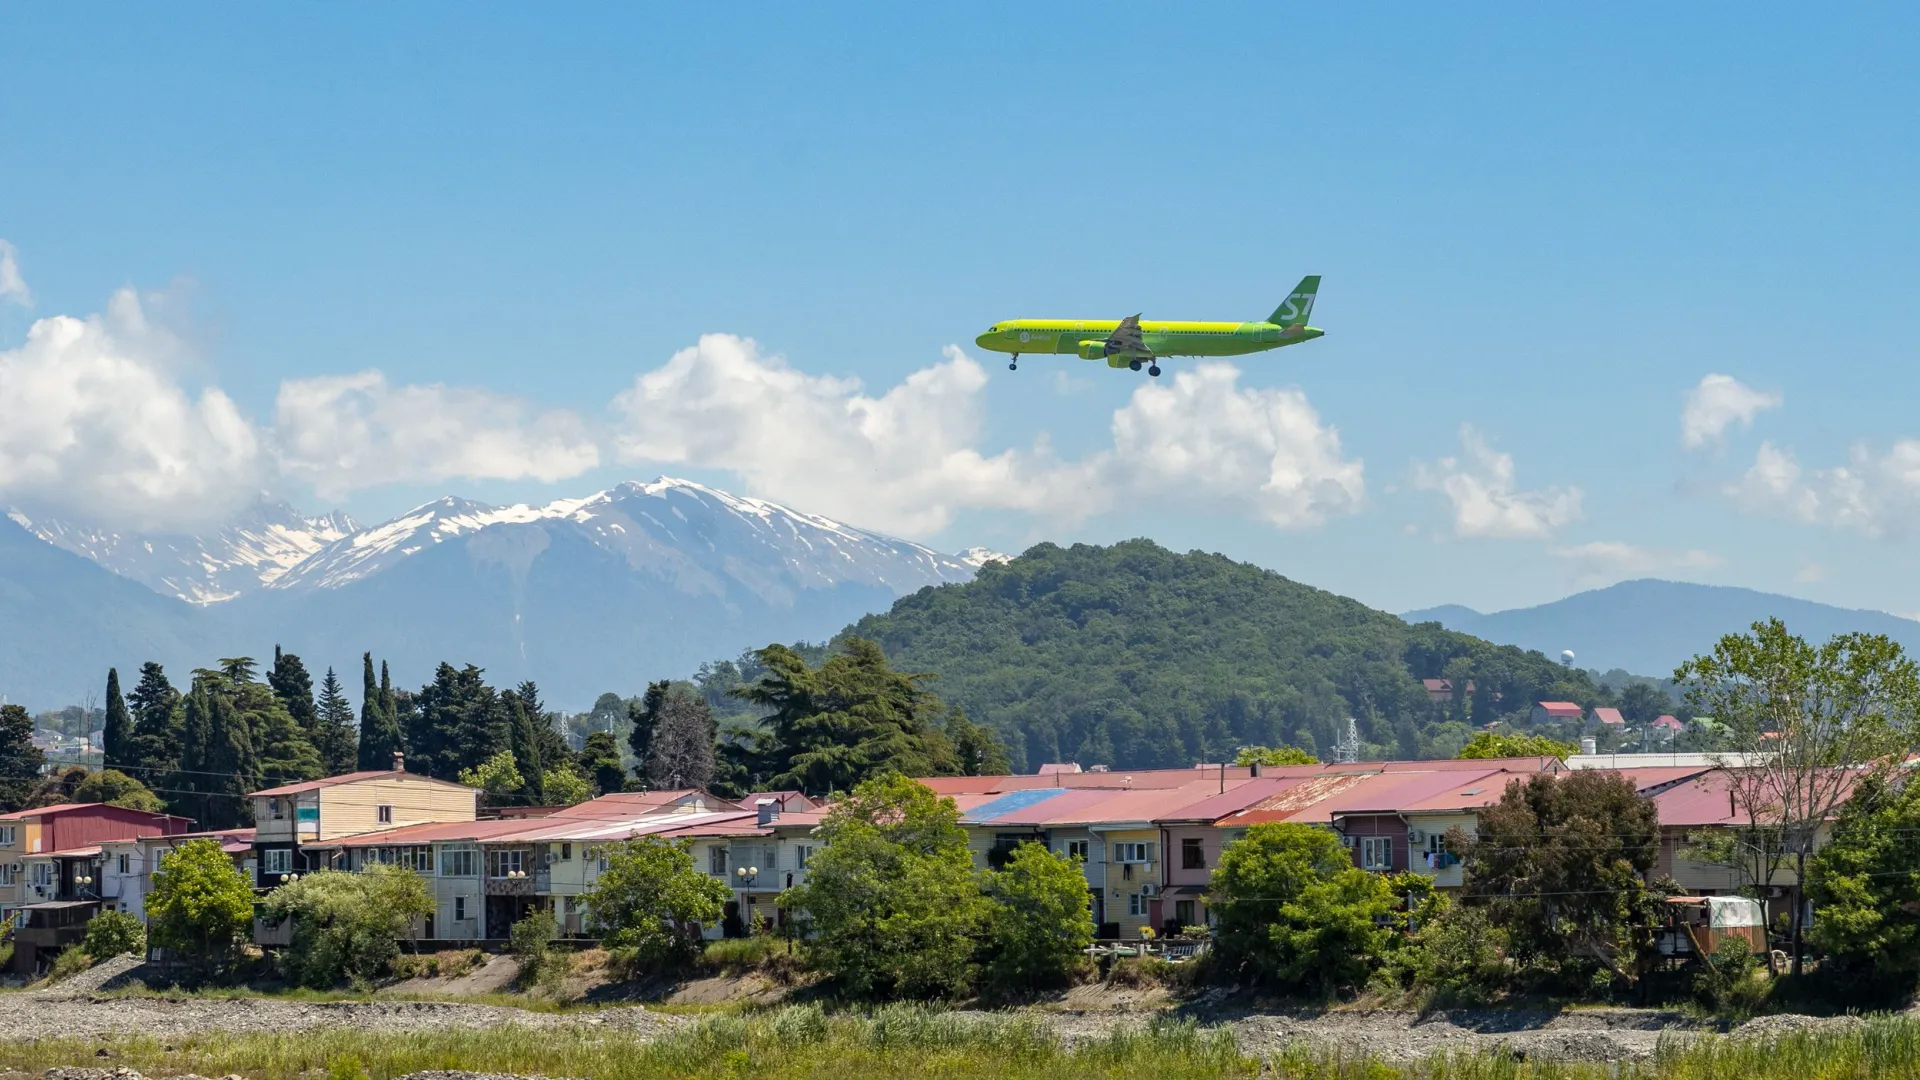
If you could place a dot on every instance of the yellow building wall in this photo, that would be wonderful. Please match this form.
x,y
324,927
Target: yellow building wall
x,y
1125,880
347,809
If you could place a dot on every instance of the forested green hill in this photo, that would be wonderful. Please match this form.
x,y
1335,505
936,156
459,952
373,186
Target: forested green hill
x,y
1136,657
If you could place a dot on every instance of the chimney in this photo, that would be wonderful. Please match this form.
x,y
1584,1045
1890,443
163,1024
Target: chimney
x,y
769,810
399,762
1254,770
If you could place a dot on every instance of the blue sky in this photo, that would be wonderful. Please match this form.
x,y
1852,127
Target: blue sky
x,y
1544,226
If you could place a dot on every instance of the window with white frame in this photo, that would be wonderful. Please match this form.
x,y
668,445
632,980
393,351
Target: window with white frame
x,y
1376,853
1136,904
459,862
276,810
121,863
7,835
1078,849
501,864
6,874
460,907
384,813
802,855
1133,853
717,861
276,861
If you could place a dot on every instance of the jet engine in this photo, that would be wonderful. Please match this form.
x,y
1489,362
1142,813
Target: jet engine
x,y
1093,350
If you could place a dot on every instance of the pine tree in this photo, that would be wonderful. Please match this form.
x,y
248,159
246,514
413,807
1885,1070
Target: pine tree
x,y
284,753
335,741
546,725
642,715
20,760
379,736
457,722
116,736
158,725
191,776
294,687
232,765
600,762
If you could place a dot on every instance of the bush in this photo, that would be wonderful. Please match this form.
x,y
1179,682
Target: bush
x,y
348,926
530,941
115,933
1731,979
68,964
1458,957
449,964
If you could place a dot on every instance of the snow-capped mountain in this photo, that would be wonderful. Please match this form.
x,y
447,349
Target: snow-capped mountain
x,y
978,557
689,533
607,592
247,553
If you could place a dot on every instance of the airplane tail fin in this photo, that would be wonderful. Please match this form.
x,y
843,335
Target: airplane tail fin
x,y
1293,311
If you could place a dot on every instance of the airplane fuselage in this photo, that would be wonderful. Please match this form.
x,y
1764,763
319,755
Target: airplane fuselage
x,y
1087,338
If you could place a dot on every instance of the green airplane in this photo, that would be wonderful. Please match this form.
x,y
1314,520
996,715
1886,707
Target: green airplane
x,y
1130,343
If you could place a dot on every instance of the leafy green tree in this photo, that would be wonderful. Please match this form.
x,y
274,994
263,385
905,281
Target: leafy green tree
x,y
1274,755
564,786
1295,913
335,739
498,776
680,750
1813,719
1491,744
1643,702
116,734
348,926
158,723
1563,864
650,903
380,736
1041,919
978,751
114,933
201,906
833,726
1865,882
116,788
890,897
600,760
20,760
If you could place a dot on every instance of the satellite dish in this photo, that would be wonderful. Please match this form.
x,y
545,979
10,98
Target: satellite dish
x,y
1566,657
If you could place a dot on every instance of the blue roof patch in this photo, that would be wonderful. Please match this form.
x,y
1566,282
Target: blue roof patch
x,y
1012,802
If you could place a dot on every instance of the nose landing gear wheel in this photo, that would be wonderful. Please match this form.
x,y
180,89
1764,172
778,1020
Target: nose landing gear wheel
x,y
1154,371
1134,364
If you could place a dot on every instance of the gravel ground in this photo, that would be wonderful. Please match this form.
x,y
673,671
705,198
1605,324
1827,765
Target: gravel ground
x,y
1570,1035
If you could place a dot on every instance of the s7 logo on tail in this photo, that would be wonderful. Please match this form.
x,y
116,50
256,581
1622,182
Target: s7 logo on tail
x,y
1291,309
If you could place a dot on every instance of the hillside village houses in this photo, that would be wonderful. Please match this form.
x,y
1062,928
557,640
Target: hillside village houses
x,y
1149,840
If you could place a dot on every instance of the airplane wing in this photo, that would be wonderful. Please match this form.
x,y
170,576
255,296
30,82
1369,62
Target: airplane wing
x,y
1126,338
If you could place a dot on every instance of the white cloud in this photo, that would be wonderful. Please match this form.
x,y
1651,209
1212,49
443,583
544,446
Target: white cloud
x,y
1809,573
1615,559
94,425
1204,441
907,460
13,287
1874,493
341,433
1717,403
1485,501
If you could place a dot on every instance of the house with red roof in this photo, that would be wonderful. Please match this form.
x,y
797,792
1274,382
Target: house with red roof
x,y
66,827
1550,712
1608,717
294,823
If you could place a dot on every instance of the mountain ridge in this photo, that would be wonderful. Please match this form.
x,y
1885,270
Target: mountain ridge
x,y
1649,626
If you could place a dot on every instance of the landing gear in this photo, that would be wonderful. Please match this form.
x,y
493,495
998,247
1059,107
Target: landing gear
x,y
1134,365
1015,365
1154,371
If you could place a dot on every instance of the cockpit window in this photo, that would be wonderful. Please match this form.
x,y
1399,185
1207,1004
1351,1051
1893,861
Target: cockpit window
x,y
994,329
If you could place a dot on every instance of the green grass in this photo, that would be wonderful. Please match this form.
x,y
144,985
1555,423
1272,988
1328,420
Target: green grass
x,y
805,1043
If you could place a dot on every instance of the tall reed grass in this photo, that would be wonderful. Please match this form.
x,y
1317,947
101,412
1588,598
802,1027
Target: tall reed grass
x,y
805,1043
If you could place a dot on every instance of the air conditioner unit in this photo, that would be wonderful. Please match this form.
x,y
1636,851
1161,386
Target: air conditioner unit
x,y
1149,890
1416,836
1347,842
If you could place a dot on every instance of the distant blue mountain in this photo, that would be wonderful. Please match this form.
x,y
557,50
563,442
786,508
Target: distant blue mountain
x,y
1649,627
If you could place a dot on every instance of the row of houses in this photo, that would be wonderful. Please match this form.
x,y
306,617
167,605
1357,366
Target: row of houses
x,y
1148,841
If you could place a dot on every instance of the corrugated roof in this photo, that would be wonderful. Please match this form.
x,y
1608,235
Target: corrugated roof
x,y
69,853
436,831
1609,716
350,778
68,808
1246,794
1011,804
629,801
1481,791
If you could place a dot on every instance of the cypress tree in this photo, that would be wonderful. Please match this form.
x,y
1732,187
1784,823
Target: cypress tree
x,y
116,737
524,741
233,766
379,733
553,742
158,725
643,715
336,742
189,782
